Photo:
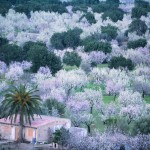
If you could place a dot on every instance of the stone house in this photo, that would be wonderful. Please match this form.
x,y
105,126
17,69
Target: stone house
x,y
39,128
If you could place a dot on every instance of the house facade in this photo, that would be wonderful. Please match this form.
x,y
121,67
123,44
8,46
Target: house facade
x,y
39,128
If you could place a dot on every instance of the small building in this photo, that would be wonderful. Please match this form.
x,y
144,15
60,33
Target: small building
x,y
39,128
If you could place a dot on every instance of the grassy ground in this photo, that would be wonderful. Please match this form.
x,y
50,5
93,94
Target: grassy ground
x,y
98,124
102,65
147,99
69,68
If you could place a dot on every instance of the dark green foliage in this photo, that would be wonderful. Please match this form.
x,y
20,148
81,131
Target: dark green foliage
x,y
121,62
102,7
27,46
55,8
4,7
90,18
72,59
35,5
94,45
137,12
3,41
53,62
141,126
52,103
142,3
61,136
37,52
57,136
110,31
137,43
80,8
40,56
141,9
85,2
138,26
113,2
114,15
71,38
57,40
10,52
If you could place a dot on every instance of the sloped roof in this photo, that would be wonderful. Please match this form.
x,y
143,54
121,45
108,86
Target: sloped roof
x,y
38,121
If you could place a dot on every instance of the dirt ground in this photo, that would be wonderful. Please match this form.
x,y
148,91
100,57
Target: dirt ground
x,y
24,146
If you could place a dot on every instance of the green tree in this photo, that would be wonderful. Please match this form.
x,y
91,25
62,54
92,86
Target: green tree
x,y
141,3
137,43
71,38
61,136
72,59
113,2
141,126
54,62
52,103
40,56
114,14
10,52
110,31
138,26
19,102
90,18
137,12
121,62
94,45
3,41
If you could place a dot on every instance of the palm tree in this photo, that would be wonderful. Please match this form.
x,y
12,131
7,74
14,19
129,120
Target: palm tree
x,y
23,103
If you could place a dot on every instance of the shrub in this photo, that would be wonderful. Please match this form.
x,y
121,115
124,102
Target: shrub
x,y
82,8
90,18
55,8
137,43
4,7
121,62
137,12
52,103
110,31
54,62
138,26
27,8
27,46
71,38
3,41
141,126
114,15
72,59
61,136
113,2
104,6
57,40
93,45
141,3
40,56
10,52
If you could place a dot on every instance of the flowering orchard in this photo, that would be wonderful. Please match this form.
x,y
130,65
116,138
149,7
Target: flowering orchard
x,y
88,64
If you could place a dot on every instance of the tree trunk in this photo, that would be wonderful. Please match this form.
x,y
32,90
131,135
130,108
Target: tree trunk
x,y
89,129
115,97
143,94
91,110
21,136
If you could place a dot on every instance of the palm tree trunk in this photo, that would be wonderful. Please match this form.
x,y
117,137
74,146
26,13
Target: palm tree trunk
x,y
21,136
